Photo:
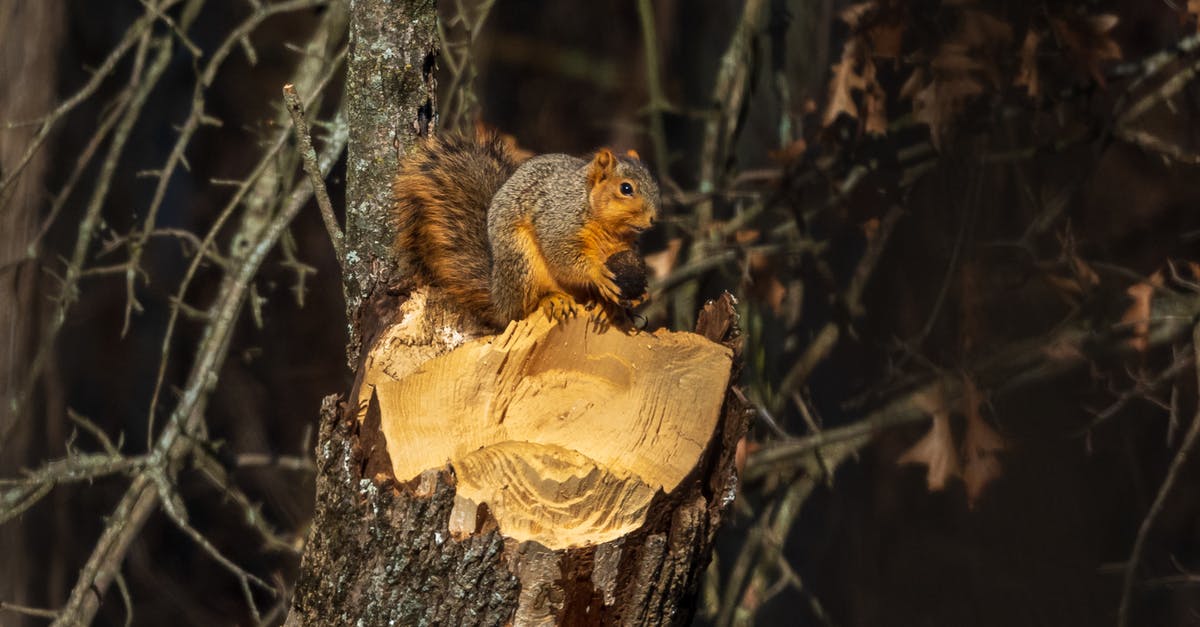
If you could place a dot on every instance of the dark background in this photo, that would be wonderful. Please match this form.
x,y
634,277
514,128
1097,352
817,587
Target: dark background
x,y
1043,544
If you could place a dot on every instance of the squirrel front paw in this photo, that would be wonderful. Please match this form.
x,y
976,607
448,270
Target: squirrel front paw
x,y
558,306
604,285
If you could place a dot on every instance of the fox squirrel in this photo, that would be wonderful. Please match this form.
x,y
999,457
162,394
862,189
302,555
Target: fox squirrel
x,y
505,237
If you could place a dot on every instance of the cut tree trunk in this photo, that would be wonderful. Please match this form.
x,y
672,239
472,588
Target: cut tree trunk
x,y
553,474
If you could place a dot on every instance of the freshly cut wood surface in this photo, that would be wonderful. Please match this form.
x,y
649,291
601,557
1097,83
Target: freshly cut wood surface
x,y
564,431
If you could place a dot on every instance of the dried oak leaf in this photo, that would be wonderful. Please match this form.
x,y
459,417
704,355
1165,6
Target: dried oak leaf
x,y
845,80
981,445
870,229
1137,316
988,37
875,102
761,273
790,153
1063,351
882,30
1089,41
957,72
1192,12
1027,73
663,262
935,450
853,14
938,98
855,72
1070,274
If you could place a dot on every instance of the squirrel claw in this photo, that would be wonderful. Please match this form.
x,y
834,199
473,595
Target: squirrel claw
x,y
558,306
605,316
600,318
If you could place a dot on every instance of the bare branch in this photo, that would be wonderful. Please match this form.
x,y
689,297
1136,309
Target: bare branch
x,y
309,157
1186,448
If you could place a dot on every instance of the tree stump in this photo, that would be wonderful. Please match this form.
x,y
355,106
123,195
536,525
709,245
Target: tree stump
x,y
556,473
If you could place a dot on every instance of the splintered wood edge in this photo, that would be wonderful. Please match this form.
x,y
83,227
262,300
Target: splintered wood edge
x,y
565,432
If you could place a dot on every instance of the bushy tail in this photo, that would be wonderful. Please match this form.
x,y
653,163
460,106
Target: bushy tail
x,y
441,194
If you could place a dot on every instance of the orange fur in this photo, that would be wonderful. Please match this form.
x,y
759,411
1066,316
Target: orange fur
x,y
442,192
541,284
614,224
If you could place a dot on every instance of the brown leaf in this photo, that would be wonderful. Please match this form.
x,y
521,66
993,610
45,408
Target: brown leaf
x,y
845,81
981,445
875,102
1064,351
980,30
855,73
789,153
745,237
764,283
663,262
1089,41
870,228
854,13
887,40
965,61
955,57
1070,274
937,101
935,450
1137,316
1027,75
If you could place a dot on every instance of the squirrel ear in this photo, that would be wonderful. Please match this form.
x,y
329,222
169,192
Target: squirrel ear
x,y
603,165
632,154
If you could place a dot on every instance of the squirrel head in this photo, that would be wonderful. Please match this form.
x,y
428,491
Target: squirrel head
x,y
623,195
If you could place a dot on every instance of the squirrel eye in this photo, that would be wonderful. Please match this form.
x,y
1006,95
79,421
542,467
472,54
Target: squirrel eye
x,y
626,189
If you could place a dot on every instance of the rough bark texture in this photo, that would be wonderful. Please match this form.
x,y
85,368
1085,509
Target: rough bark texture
x,y
390,93
370,540
381,553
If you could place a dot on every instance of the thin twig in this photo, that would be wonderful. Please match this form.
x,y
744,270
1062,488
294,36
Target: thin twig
x,y
132,36
196,117
1005,370
309,159
142,498
1139,390
827,338
91,219
1186,448
28,490
35,612
265,164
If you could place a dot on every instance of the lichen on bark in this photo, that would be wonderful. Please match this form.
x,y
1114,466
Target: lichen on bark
x,y
390,93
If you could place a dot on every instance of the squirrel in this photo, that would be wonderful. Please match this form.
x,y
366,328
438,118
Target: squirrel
x,y
505,236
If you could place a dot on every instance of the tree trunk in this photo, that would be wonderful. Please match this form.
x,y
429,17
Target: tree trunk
x,y
556,473
521,529
29,39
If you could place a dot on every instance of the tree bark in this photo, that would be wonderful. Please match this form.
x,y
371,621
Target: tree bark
x,y
387,552
414,550
390,96
29,38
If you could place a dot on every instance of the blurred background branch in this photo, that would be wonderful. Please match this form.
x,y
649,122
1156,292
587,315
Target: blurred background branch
x,y
961,235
